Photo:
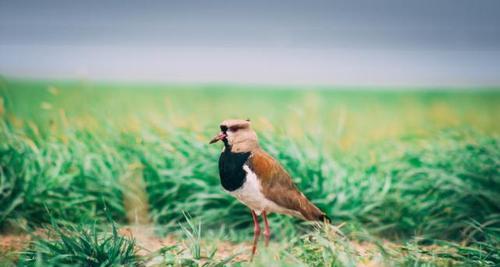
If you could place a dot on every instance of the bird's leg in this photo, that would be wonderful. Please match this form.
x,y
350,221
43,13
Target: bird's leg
x,y
256,226
256,232
267,231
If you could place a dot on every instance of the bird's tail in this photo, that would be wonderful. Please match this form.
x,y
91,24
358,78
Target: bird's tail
x,y
324,218
313,213
308,210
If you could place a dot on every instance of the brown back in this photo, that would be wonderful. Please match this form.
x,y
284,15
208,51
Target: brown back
x,y
278,186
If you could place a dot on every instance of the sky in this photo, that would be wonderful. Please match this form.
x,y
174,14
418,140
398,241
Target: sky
x,y
348,42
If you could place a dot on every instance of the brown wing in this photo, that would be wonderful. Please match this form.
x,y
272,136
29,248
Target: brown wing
x,y
278,186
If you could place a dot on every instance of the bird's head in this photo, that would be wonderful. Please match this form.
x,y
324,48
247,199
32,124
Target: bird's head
x,y
237,135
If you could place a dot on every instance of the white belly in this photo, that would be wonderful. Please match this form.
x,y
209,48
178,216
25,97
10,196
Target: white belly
x,y
250,194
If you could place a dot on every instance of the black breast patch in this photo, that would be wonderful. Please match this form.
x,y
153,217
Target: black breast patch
x,y
232,175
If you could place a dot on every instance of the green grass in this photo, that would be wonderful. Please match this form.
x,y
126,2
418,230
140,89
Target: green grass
x,y
71,180
419,168
195,253
88,245
80,246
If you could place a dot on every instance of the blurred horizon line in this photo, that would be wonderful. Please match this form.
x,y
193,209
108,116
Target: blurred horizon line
x,y
285,66
86,81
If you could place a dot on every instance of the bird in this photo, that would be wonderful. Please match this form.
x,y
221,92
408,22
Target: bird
x,y
258,180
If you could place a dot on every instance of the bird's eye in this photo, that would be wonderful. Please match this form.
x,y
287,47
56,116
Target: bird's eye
x,y
233,129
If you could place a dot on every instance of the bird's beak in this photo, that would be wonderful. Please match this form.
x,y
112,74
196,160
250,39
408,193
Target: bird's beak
x,y
218,137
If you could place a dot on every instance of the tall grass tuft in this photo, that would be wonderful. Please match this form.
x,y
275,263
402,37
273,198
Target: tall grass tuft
x,y
436,190
81,246
72,180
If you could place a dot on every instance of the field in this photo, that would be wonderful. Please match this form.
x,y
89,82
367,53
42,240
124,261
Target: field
x,y
101,174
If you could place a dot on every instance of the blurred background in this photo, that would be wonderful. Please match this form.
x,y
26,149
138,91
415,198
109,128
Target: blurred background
x,y
416,43
385,113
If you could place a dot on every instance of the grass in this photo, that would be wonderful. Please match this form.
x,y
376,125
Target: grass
x,y
71,180
194,253
327,245
413,174
80,246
